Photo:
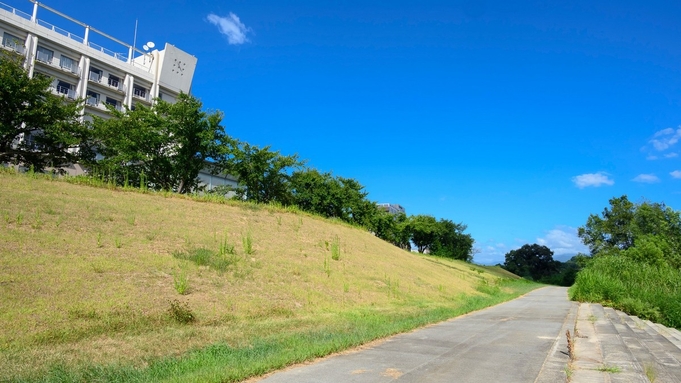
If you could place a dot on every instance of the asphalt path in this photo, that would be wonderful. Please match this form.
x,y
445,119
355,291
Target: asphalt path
x,y
505,343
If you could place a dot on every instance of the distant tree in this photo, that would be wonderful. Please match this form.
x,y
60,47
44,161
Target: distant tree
x,y
164,146
646,231
392,228
263,175
532,261
424,231
451,241
37,128
332,197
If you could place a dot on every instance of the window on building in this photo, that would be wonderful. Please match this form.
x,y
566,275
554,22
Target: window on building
x,y
113,102
139,91
65,88
95,74
92,98
12,42
68,64
114,81
45,55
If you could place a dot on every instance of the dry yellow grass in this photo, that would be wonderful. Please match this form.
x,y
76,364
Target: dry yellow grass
x,y
87,274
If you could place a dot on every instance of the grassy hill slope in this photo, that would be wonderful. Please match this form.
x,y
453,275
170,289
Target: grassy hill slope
x,y
91,278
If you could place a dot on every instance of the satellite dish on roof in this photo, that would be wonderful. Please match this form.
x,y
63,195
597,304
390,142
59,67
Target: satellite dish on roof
x,y
145,47
151,45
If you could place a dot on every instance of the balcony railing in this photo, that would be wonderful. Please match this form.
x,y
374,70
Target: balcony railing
x,y
70,93
94,76
92,101
140,93
44,57
69,66
117,84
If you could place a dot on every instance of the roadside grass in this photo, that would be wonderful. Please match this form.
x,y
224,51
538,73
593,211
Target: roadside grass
x,y
222,362
650,292
103,284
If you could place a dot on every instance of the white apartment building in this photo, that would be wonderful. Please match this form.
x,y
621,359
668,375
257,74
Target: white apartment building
x,y
92,65
391,208
96,67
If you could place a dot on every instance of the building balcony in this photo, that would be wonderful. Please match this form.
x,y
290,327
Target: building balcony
x,y
116,84
69,67
44,58
16,47
92,101
141,94
68,92
94,76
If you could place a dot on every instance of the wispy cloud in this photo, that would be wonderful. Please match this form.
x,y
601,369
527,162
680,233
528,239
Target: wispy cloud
x,y
231,27
592,179
646,178
665,138
676,174
662,141
564,242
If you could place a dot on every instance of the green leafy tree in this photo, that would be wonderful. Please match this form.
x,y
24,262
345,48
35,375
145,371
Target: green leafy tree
x,y
532,261
263,175
164,146
451,241
393,228
424,231
332,197
37,128
646,231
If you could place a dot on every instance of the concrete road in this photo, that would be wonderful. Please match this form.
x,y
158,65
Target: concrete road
x,y
505,343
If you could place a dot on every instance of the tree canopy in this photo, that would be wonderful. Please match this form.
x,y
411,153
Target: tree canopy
x,y
646,231
263,175
531,261
164,146
37,128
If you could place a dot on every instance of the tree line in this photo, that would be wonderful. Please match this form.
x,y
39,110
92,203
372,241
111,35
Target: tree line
x,y
165,146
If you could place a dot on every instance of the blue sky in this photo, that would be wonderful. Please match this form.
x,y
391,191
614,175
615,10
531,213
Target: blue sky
x,y
518,119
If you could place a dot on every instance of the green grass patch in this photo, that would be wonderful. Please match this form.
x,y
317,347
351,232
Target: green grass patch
x,y
222,362
94,288
649,291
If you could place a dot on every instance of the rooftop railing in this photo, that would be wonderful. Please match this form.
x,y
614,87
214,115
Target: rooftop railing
x,y
125,57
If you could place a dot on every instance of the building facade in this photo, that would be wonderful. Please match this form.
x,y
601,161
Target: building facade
x,y
391,208
92,65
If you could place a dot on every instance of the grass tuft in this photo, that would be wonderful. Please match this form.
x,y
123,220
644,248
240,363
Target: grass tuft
x,y
180,312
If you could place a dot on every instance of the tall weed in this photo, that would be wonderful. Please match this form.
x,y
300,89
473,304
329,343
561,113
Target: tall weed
x,y
649,291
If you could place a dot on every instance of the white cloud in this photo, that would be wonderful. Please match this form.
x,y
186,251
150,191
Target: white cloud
x,y
592,179
671,155
646,178
665,138
231,27
491,253
564,243
676,174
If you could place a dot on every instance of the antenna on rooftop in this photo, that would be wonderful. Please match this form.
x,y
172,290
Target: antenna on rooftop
x,y
134,40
